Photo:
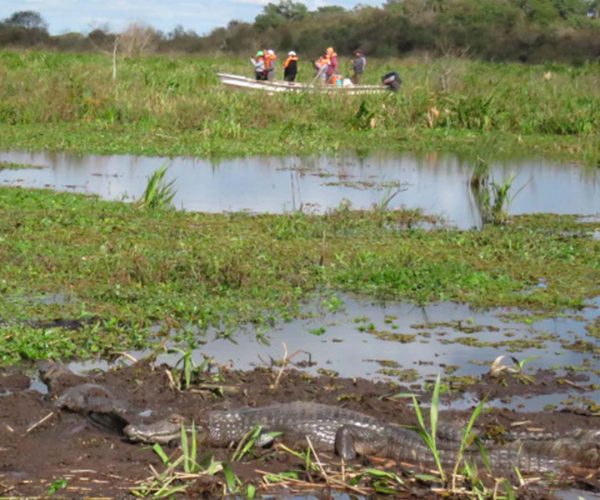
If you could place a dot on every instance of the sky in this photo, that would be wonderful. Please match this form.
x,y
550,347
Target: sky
x,y
200,16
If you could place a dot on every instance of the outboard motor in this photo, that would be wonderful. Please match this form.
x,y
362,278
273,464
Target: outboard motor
x,y
392,80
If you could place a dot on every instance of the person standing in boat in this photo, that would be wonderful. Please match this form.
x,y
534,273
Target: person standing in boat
x,y
322,67
270,58
359,63
290,67
259,65
332,69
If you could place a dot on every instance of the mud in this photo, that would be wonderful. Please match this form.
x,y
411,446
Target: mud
x,y
44,449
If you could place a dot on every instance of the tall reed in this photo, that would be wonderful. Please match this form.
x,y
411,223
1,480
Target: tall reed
x,y
158,194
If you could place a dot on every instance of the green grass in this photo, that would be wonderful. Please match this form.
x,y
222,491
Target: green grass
x,y
174,105
120,270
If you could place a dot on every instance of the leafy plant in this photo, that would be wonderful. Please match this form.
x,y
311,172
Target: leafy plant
x,y
175,479
465,442
499,209
364,117
480,175
188,366
158,194
429,433
57,485
492,198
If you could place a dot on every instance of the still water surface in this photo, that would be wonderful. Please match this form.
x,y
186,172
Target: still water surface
x,y
438,184
360,338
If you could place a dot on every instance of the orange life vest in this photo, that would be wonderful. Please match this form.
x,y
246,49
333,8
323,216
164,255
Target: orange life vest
x,y
323,61
269,60
289,60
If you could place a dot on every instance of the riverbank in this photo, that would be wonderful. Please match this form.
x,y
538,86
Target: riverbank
x,y
89,460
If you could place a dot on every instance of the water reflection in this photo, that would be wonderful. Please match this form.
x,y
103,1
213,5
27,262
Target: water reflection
x,y
364,338
438,184
405,343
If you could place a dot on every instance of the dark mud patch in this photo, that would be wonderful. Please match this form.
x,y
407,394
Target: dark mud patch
x,y
12,382
45,449
539,383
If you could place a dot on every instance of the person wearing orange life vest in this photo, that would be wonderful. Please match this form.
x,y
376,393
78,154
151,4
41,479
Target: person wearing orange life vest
x,y
322,66
290,67
270,58
333,64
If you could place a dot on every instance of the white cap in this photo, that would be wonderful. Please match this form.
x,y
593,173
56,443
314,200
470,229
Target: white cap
x,y
270,52
291,53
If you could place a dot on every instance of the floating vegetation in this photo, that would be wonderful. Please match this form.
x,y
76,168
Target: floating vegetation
x,y
403,338
124,269
327,372
408,375
5,165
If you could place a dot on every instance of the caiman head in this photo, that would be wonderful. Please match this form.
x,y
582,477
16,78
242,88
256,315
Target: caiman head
x,y
162,431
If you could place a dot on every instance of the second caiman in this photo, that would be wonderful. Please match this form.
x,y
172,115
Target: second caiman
x,y
349,433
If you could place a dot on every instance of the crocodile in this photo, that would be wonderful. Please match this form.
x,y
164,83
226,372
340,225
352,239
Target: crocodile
x,y
330,428
349,434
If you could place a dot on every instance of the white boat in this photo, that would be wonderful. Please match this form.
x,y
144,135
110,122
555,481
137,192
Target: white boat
x,y
245,83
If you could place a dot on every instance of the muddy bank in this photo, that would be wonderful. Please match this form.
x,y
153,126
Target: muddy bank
x,y
44,449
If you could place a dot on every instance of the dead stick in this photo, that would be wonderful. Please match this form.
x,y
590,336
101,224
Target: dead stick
x,y
325,476
283,365
39,422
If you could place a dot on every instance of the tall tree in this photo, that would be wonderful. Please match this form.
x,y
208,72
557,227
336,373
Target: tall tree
x,y
275,14
28,19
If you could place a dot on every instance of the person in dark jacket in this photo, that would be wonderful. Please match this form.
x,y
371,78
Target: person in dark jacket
x,y
290,67
359,63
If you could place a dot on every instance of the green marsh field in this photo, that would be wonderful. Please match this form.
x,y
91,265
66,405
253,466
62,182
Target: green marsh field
x,y
173,105
118,269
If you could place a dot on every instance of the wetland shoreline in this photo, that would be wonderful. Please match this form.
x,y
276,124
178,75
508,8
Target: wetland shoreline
x,y
88,460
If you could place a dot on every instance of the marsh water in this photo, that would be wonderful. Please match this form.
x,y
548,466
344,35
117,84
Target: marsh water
x,y
353,337
437,184
350,336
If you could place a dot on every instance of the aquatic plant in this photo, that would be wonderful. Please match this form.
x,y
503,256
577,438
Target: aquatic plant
x,y
491,197
157,194
180,468
466,441
501,200
481,172
429,433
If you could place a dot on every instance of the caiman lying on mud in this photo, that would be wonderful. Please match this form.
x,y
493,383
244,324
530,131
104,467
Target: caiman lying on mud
x,y
351,433
331,429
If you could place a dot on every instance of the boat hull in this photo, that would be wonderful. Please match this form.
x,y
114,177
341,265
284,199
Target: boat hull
x,y
248,84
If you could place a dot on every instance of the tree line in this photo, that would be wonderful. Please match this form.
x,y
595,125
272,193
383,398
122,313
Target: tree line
x,y
503,30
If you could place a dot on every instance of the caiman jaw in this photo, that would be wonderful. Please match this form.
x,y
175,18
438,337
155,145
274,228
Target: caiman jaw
x,y
162,432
